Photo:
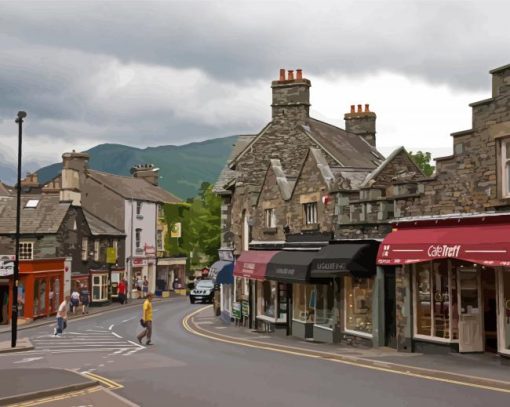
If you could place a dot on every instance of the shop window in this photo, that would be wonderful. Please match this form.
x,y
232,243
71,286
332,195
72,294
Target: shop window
x,y
505,314
100,287
304,302
267,298
54,294
270,218
96,250
84,248
505,167
241,289
358,305
324,315
435,300
26,250
310,213
40,296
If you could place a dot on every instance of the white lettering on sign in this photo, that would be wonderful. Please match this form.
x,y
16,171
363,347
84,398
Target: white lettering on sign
x,y
443,250
327,266
248,268
285,271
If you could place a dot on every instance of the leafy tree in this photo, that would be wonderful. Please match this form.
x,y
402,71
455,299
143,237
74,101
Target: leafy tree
x,y
423,159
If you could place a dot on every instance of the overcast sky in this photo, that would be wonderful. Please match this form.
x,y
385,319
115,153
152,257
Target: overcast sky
x,y
155,73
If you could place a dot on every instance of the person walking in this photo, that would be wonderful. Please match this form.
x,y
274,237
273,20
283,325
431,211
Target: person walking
x,y
84,299
121,291
145,288
147,320
75,300
62,317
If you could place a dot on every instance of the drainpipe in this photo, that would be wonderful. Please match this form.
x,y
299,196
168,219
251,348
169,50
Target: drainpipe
x,y
130,276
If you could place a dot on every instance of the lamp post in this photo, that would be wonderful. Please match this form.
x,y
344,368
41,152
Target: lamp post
x,y
14,323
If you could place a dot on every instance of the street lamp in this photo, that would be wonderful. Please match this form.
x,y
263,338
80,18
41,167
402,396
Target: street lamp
x,y
14,323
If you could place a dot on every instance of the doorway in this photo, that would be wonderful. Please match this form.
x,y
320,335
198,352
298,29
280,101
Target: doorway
x,y
489,309
390,321
4,304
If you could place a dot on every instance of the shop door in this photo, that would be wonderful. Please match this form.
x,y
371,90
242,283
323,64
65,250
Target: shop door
x,y
390,326
471,337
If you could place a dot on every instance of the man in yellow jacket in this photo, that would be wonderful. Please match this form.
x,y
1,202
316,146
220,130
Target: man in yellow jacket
x,y
147,319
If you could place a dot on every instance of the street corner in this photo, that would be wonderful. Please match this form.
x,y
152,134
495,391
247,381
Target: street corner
x,y
21,385
22,345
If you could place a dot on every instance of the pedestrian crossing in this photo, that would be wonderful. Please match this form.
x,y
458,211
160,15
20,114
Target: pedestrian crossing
x,y
90,340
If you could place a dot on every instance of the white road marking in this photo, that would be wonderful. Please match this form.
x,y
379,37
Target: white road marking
x,y
110,327
129,319
28,360
116,334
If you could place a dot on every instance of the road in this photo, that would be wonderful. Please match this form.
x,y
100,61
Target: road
x,y
186,370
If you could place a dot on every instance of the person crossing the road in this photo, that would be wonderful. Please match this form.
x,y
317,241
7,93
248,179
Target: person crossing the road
x,y
62,316
147,320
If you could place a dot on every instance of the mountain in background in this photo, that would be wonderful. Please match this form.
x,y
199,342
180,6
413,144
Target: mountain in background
x,y
182,168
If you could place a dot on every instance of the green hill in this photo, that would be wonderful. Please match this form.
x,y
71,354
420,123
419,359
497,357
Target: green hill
x,y
182,168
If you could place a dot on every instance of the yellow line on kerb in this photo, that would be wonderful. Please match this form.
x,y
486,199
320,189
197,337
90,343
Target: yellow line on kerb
x,y
298,352
110,384
58,397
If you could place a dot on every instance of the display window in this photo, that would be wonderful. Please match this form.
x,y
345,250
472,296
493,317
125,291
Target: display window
x,y
21,298
303,299
54,294
325,304
358,305
100,287
504,292
435,300
272,301
241,289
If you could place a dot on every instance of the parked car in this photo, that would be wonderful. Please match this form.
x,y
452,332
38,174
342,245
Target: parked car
x,y
203,291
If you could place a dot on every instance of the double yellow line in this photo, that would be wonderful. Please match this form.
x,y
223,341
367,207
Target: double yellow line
x,y
108,383
189,326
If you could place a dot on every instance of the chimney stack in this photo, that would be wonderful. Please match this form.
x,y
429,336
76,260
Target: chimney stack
x,y
361,123
74,166
291,96
147,172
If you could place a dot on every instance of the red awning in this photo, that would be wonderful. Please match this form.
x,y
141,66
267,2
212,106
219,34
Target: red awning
x,y
253,264
487,244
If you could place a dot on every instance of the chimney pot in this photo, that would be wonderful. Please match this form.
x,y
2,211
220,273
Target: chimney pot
x,y
291,75
367,107
299,74
360,109
353,109
282,74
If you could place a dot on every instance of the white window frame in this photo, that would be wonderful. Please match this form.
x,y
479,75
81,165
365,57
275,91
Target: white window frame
x,y
103,287
84,248
310,216
139,208
22,253
505,167
159,240
270,217
96,250
138,238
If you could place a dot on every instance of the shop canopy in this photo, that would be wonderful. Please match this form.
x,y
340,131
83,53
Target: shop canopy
x,y
253,264
355,258
290,266
487,244
221,272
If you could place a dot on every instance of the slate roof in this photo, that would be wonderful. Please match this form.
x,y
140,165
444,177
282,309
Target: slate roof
x,y
350,150
45,218
99,227
133,188
227,175
354,176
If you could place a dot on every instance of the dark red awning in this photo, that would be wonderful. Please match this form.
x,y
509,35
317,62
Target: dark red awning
x,y
487,244
253,264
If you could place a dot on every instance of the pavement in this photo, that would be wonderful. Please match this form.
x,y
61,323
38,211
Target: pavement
x,y
483,370
17,385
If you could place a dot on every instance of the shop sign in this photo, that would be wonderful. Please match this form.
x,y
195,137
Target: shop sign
x,y
111,255
248,268
443,250
175,230
285,271
6,268
236,310
245,309
150,249
330,266
139,261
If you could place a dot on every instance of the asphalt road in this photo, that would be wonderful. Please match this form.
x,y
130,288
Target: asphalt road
x,y
185,370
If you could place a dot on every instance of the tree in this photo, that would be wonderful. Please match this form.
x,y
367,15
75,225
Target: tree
x,y
423,161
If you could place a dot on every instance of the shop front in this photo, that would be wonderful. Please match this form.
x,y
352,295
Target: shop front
x,y
453,279
256,301
222,274
100,286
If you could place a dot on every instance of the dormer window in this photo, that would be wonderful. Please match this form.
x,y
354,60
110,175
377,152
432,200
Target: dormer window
x,y
505,167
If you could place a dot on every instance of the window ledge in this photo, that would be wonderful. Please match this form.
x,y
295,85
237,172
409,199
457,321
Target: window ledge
x,y
315,226
357,333
139,216
270,231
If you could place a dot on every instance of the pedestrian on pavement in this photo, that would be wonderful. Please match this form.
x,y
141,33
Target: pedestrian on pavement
x,y
75,300
121,291
147,320
84,299
62,316
145,286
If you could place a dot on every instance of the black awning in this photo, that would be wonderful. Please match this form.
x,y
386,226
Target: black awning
x,y
290,266
356,258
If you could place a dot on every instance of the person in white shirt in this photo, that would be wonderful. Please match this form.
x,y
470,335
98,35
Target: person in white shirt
x,y
62,316
75,300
